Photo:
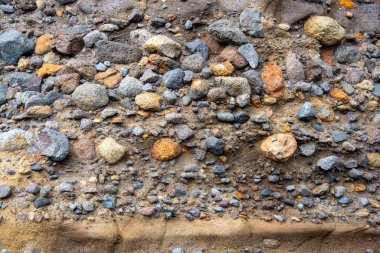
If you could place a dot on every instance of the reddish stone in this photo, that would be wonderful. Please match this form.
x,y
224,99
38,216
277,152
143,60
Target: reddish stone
x,y
213,45
231,54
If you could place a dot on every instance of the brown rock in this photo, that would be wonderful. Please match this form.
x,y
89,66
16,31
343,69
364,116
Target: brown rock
x,y
69,40
39,112
84,69
321,189
67,83
214,46
222,68
273,79
325,29
294,68
109,78
313,73
231,54
48,69
279,147
165,149
323,109
84,149
44,44
149,101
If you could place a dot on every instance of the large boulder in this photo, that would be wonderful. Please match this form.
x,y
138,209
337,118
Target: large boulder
x,y
90,96
325,29
13,45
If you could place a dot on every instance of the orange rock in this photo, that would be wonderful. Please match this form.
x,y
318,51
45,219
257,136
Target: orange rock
x,y
349,4
39,112
44,44
23,64
273,79
339,95
165,149
279,147
222,68
105,74
109,78
48,69
198,84
327,53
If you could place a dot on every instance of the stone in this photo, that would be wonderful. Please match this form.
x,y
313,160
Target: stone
x,y
140,36
354,76
339,136
222,68
323,110
197,46
84,69
194,62
39,112
225,117
109,202
273,79
307,149
69,40
163,45
33,188
15,139
347,54
111,151
50,143
231,54
183,131
130,87
302,86
3,94
173,79
165,150
27,82
13,45
89,96
44,44
226,31
136,16
65,187
117,52
5,191
66,83
42,202
279,147
306,112
328,163
84,148
271,243
234,86
321,190
250,21
64,2
93,37
147,211
149,76
198,89
109,28
249,53
110,78
374,159
215,145
325,29
149,101
254,80
339,95
294,68
48,69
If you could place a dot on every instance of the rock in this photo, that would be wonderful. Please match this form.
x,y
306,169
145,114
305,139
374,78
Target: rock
x,y
39,112
66,83
111,151
347,54
254,80
307,149
234,86
183,132
279,147
302,86
225,117
65,187
173,79
147,211
271,243
109,202
15,139
33,188
294,68
13,45
27,82
250,21
197,47
215,145
165,149
225,31
163,45
194,62
273,79
84,69
130,87
108,28
44,44
69,40
339,191
149,101
117,52
325,29
306,112
110,78
249,53
93,37
339,95
3,94
354,76
214,46
374,159
178,250
321,190
64,2
5,191
89,96
149,76
328,163
136,16
222,68
323,109
140,36
50,143
339,136
48,69
231,54
84,149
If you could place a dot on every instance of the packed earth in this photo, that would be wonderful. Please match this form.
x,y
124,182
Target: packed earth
x,y
167,109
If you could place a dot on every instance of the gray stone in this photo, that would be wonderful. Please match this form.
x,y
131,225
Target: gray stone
x,y
5,191
41,202
13,45
316,90
215,145
271,243
250,21
50,143
108,112
27,82
130,87
136,16
178,250
169,97
197,47
226,31
347,54
254,80
339,191
307,149
33,188
225,117
294,68
339,136
92,37
376,90
249,53
302,86
348,88
234,86
117,52
183,132
109,202
306,112
194,62
328,163
149,76
7,9
69,40
90,96
3,94
140,36
63,2
173,79
66,187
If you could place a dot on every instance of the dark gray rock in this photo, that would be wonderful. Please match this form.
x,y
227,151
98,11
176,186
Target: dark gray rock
x,y
136,16
347,54
173,79
250,21
27,82
339,136
194,62
63,2
197,47
226,31
215,145
42,202
116,52
33,188
306,112
254,80
13,45
3,94
328,163
225,117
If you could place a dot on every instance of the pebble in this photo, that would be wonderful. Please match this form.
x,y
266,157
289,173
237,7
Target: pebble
x,y
250,20
249,53
5,191
173,79
90,96
325,29
225,31
215,145
279,147
328,163
111,151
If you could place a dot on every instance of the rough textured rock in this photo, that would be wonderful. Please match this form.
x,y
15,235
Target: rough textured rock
x,y
13,45
165,149
325,29
44,44
15,139
90,96
111,151
250,21
163,45
149,101
69,40
27,82
294,68
225,31
279,147
130,87
234,86
117,52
